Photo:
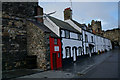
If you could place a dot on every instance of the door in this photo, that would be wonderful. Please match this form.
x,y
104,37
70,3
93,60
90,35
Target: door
x,y
74,53
54,61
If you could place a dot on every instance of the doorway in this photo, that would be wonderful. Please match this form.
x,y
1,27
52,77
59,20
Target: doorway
x,y
54,60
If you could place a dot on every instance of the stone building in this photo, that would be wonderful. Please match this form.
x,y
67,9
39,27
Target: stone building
x,y
38,43
113,35
96,26
14,34
14,49
25,40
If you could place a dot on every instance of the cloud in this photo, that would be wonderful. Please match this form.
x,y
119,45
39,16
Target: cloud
x,y
107,12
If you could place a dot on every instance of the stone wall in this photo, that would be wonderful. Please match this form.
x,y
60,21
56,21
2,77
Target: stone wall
x,y
38,44
96,26
21,38
20,9
113,35
14,33
14,46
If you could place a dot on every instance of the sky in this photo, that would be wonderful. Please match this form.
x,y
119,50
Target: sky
x,y
85,12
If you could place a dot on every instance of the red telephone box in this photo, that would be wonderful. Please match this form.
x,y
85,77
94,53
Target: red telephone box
x,y
55,53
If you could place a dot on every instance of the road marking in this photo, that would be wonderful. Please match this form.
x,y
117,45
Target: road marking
x,y
87,69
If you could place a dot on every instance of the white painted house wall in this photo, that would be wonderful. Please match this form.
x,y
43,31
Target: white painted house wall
x,y
100,43
86,44
96,43
70,42
52,26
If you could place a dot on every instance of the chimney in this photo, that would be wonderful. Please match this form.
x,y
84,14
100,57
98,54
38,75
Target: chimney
x,y
39,12
67,13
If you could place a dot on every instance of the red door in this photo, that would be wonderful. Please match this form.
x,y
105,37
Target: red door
x,y
55,53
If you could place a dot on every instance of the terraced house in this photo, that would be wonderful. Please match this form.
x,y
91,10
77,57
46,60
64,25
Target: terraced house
x,y
92,43
77,39
71,39
44,42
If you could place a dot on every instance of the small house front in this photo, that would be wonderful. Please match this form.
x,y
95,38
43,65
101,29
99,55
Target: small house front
x,y
55,53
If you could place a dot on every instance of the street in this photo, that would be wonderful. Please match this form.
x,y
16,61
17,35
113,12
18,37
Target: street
x,y
104,65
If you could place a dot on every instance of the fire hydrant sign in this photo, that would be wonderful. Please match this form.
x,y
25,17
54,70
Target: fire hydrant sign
x,y
56,48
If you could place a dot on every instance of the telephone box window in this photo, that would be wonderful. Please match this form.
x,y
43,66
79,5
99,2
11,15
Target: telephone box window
x,y
58,55
55,41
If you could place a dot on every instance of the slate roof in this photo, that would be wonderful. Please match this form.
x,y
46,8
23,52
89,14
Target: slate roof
x,y
78,24
44,28
63,24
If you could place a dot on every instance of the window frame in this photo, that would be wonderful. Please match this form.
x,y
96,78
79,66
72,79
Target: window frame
x,y
67,34
92,38
55,43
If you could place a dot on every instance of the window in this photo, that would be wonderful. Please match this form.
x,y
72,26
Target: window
x,y
61,32
55,41
68,52
79,36
67,34
86,38
80,50
58,55
92,38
